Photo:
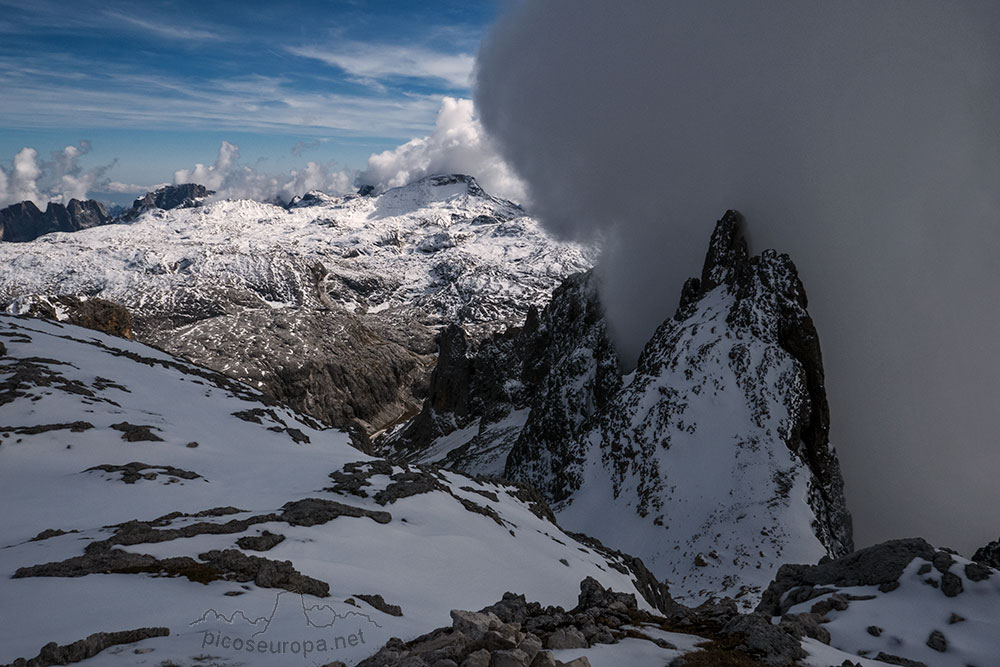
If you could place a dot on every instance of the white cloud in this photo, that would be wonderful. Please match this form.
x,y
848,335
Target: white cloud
x,y
374,62
129,188
60,179
457,145
165,30
22,183
232,180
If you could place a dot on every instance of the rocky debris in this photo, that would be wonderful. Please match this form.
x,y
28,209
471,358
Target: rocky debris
x,y
73,427
237,566
133,472
772,645
100,557
516,632
379,603
56,654
24,374
263,542
355,475
137,432
989,555
937,641
891,659
51,532
316,511
23,222
186,195
879,565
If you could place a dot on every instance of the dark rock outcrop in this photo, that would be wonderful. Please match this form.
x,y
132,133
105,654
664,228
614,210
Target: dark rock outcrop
x,y
20,223
56,654
989,555
880,565
168,197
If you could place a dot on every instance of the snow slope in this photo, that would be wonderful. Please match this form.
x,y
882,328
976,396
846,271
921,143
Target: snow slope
x,y
77,407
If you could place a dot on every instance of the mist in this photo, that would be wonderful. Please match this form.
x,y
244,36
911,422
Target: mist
x,y
862,138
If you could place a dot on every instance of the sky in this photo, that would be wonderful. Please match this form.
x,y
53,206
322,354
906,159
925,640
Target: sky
x,y
151,88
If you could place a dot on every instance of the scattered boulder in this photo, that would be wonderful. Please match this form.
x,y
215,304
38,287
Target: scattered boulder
x,y
263,542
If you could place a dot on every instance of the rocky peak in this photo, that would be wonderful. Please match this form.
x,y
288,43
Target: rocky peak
x,y
989,555
185,195
25,222
701,460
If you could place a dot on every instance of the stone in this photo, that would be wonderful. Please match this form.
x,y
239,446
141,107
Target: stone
x,y
473,624
480,658
937,641
509,658
566,638
544,659
951,584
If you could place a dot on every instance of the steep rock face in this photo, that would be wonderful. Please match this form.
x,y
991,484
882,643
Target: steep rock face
x,y
522,396
168,197
24,222
711,461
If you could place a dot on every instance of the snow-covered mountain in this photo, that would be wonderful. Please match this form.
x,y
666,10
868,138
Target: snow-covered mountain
x,y
142,492
331,304
710,461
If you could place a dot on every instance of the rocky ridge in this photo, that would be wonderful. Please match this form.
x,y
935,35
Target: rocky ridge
x,y
23,222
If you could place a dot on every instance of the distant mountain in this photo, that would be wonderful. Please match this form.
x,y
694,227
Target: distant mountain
x,y
23,222
332,304
168,197
20,223
711,460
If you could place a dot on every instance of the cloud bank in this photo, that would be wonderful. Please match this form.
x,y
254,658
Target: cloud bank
x,y
457,145
860,137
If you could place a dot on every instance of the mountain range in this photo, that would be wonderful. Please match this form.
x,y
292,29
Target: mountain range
x,y
395,425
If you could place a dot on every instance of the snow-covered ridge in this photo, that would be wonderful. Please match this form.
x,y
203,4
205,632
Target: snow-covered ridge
x,y
388,269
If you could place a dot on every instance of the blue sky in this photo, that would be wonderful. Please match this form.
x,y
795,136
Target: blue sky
x,y
156,86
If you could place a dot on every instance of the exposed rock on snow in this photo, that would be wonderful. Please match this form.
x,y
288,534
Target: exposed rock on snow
x,y
889,603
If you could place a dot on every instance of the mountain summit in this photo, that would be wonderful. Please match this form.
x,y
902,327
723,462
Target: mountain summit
x,y
711,460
